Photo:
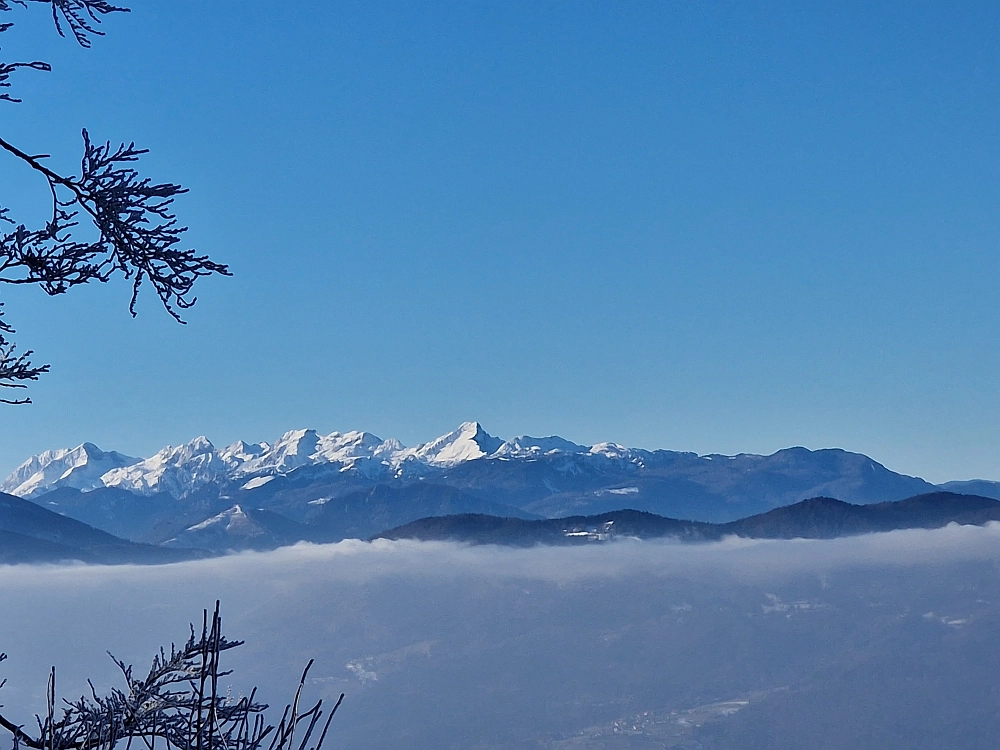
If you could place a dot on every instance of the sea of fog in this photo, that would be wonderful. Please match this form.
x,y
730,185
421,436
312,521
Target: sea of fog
x,y
879,641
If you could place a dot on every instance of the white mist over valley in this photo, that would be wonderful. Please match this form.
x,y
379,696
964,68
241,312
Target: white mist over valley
x,y
733,644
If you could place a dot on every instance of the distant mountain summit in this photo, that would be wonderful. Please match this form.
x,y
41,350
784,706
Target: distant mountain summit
x,y
81,468
470,441
983,487
175,470
236,528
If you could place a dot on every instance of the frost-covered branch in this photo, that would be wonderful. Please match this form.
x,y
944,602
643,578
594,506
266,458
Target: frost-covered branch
x,y
177,705
130,225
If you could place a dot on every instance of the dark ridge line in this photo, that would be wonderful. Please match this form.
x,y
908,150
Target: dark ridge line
x,y
814,518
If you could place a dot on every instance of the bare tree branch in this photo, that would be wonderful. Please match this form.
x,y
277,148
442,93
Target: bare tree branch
x,y
178,704
133,232
15,368
80,16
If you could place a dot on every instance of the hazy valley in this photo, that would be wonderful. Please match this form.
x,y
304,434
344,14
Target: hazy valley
x,y
634,644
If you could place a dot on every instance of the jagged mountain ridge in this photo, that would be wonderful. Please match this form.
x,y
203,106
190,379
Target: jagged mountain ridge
x,y
181,470
78,468
303,472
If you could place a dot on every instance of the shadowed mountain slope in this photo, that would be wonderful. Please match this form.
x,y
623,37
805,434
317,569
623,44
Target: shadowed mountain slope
x,y
981,487
32,533
476,528
826,518
116,511
239,528
681,485
357,514
361,514
18,548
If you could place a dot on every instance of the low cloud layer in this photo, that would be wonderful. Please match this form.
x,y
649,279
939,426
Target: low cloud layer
x,y
440,645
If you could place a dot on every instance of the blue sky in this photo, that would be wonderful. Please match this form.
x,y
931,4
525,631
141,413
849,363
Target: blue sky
x,y
719,227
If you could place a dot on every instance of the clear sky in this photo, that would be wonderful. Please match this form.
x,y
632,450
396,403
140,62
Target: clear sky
x,y
720,227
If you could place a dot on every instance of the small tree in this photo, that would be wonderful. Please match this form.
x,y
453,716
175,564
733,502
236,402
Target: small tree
x,y
134,231
177,705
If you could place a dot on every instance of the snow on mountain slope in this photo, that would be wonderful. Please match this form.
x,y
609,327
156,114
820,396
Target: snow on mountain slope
x,y
549,466
239,528
468,442
613,451
241,452
176,470
180,470
524,446
305,447
80,468
292,450
343,447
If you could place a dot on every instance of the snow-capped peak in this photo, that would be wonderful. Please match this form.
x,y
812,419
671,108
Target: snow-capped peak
x,y
181,470
468,442
526,446
344,446
292,450
610,450
177,470
389,447
80,468
240,452
227,519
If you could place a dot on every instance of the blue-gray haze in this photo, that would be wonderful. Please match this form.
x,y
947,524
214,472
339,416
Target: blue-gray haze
x,y
880,641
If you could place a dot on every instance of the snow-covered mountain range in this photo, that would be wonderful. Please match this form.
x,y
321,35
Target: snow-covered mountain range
x,y
81,468
180,470
310,486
